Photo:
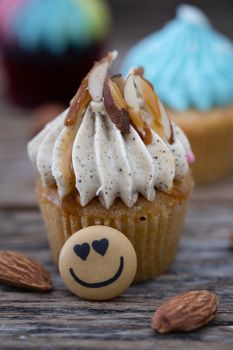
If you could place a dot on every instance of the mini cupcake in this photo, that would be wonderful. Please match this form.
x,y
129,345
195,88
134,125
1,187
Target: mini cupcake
x,y
114,158
47,46
191,67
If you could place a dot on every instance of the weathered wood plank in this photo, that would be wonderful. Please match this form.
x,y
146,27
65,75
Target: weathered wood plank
x,y
61,319
16,174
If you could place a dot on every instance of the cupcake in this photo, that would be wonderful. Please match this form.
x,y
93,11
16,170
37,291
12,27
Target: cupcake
x,y
47,46
114,158
191,67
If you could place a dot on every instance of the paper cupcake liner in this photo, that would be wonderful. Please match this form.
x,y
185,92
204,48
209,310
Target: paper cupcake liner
x,y
153,228
211,137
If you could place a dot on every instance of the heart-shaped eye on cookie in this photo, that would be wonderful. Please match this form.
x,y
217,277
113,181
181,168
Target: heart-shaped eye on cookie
x,y
108,264
82,250
100,246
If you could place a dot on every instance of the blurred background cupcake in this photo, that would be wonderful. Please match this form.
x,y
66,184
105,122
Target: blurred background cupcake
x,y
191,66
47,46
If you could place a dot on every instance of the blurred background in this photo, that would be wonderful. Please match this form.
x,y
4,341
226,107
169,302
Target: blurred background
x,y
51,53
39,74
134,19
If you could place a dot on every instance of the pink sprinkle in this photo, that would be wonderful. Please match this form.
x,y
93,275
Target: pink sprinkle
x,y
191,158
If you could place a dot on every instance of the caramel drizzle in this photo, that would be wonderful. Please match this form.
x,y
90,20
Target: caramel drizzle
x,y
172,137
140,125
83,98
70,165
79,103
122,115
179,192
119,81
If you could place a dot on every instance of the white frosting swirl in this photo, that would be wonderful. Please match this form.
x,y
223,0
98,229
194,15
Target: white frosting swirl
x,y
90,153
105,162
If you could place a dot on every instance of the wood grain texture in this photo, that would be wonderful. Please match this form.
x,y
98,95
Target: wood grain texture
x,y
60,319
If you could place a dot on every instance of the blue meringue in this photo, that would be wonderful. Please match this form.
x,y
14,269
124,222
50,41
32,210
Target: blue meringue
x,y
189,63
54,25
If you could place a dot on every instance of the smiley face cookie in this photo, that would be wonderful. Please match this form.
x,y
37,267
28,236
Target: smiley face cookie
x,y
98,263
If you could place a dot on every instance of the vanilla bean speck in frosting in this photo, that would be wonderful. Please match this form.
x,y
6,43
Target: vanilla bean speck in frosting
x,y
115,140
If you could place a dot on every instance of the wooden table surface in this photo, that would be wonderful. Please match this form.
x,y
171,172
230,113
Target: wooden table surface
x,y
60,320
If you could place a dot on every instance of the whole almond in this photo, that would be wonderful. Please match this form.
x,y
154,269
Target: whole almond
x,y
21,271
185,312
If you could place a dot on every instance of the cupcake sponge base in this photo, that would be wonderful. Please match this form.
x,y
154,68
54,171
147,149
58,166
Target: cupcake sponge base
x,y
152,227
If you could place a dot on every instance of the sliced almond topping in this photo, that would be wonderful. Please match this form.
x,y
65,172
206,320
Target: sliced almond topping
x,y
148,134
135,116
167,125
98,75
90,88
151,102
137,120
96,79
120,81
138,71
130,94
116,106
140,125
78,103
112,55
